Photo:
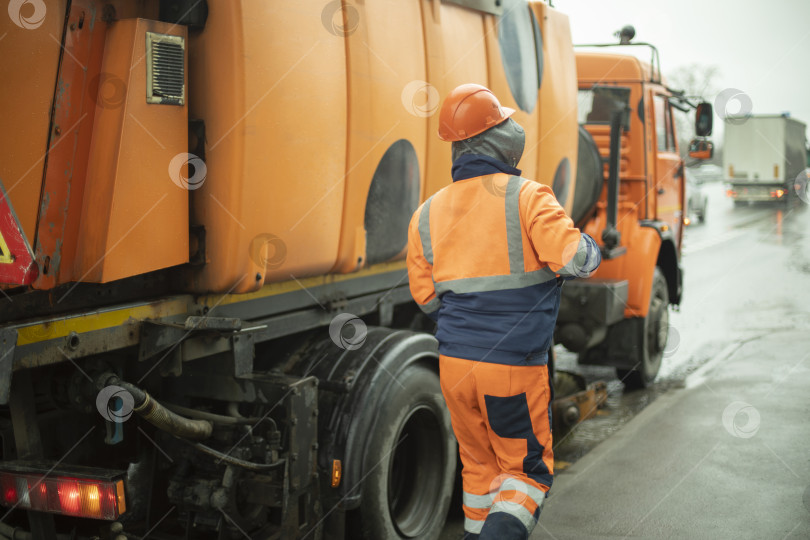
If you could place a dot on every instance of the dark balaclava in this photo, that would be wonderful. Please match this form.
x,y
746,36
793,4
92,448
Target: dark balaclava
x,y
503,142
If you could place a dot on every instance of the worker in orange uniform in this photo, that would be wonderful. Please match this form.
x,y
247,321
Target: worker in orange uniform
x,y
486,259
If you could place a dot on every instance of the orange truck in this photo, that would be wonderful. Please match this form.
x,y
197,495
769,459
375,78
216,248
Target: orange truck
x,y
620,316
206,326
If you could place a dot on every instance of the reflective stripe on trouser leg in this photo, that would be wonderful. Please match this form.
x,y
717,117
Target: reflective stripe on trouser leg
x,y
515,401
518,499
473,526
517,490
480,468
477,501
476,508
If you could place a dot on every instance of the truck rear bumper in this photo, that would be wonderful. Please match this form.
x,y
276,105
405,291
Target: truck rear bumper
x,y
754,192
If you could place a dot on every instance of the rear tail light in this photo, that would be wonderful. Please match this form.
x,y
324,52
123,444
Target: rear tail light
x,y
731,193
97,498
778,194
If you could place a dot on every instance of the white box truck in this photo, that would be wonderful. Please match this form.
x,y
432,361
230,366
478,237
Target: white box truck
x,y
762,156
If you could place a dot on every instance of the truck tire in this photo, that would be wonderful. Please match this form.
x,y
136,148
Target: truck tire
x,y
651,333
412,462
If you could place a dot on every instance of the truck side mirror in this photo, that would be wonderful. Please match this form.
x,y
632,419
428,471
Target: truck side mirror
x,y
703,119
701,149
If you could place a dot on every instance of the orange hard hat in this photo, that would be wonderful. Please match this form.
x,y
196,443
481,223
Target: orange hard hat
x,y
468,110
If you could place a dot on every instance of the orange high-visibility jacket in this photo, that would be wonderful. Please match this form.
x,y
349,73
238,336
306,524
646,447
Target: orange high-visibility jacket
x,y
484,256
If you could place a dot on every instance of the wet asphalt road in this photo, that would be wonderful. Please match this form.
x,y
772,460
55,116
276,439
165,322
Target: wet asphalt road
x,y
747,279
740,267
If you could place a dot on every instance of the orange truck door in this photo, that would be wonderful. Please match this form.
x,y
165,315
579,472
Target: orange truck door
x,y
669,169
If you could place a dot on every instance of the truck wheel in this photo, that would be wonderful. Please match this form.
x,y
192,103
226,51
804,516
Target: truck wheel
x,y
651,335
702,214
412,462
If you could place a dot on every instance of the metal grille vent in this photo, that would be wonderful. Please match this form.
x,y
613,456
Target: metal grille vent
x,y
165,69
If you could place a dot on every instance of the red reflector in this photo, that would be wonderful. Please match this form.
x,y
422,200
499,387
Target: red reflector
x,y
82,497
9,490
17,263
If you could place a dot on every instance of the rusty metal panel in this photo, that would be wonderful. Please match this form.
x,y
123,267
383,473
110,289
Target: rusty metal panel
x,y
30,38
80,88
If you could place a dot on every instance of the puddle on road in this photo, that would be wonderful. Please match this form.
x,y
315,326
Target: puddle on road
x,y
622,404
620,408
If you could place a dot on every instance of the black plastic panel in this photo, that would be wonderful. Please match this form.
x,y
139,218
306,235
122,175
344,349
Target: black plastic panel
x,y
590,177
518,36
392,199
562,181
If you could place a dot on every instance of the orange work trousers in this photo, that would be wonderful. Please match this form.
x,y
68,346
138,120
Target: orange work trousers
x,y
501,419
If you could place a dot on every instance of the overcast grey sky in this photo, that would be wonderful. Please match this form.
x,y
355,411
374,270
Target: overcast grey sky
x,y
761,48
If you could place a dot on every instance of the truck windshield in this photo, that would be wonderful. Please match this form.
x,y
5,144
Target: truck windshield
x,y
596,104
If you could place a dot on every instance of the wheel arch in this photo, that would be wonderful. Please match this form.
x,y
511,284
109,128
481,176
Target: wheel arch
x,y
354,383
668,262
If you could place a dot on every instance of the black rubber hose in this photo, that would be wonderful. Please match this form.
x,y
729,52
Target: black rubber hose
x,y
249,465
156,414
14,533
162,418
212,417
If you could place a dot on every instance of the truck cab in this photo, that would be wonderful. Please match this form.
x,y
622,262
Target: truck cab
x,y
628,158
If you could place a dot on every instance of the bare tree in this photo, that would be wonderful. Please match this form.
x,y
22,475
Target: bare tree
x,y
698,81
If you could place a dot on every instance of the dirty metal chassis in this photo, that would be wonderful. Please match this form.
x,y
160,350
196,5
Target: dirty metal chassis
x,y
255,355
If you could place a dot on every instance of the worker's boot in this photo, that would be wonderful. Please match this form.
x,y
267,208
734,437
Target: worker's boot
x,y
503,526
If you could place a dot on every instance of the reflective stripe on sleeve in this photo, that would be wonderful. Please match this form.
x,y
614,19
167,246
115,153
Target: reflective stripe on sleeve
x,y
515,510
477,501
473,526
424,231
584,261
514,234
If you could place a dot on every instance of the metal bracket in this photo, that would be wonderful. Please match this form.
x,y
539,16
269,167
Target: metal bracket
x,y
570,410
487,6
612,253
157,338
243,352
8,343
